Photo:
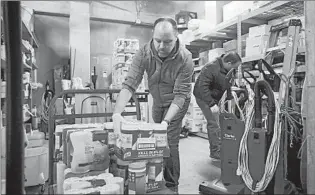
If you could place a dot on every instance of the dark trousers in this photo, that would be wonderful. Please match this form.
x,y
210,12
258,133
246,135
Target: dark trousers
x,y
171,164
213,128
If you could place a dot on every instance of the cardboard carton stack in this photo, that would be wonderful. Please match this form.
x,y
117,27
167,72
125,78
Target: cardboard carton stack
x,y
141,142
231,46
194,119
257,41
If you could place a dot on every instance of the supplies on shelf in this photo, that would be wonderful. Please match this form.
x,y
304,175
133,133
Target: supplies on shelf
x,y
257,41
124,51
231,46
183,17
194,117
215,53
122,45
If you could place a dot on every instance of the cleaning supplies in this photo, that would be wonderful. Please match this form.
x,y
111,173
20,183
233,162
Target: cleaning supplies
x,y
83,151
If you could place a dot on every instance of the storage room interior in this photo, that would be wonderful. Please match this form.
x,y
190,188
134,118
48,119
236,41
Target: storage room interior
x,y
75,60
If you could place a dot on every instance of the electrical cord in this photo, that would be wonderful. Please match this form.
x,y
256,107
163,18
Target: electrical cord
x,y
272,157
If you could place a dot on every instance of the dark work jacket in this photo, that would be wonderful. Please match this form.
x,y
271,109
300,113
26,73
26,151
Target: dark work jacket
x,y
169,80
210,85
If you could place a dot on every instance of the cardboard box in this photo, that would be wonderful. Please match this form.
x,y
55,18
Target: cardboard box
x,y
142,141
257,45
204,126
215,53
259,30
154,175
193,126
194,113
203,58
232,45
183,17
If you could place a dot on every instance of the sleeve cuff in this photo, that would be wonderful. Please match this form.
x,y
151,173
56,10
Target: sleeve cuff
x,y
125,86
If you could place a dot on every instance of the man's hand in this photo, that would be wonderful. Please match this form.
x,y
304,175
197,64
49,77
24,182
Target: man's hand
x,y
215,109
117,120
164,123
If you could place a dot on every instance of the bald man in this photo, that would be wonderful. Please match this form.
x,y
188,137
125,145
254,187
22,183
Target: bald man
x,y
170,68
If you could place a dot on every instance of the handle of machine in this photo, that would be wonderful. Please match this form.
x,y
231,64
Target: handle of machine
x,y
264,86
229,78
252,76
272,78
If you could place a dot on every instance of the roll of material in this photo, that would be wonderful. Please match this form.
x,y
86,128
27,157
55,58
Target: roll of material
x,y
117,180
110,189
75,183
105,176
60,176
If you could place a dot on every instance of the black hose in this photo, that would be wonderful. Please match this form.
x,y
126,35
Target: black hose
x,y
263,87
15,135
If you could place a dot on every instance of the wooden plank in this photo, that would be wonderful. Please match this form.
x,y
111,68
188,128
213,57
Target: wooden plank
x,y
310,122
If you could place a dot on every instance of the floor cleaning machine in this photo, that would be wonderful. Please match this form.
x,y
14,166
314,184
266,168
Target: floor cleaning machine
x,y
232,130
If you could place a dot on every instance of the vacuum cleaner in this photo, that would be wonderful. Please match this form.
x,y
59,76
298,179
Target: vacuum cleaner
x,y
232,129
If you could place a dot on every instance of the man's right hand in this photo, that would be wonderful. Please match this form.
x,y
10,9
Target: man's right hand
x,y
215,109
117,120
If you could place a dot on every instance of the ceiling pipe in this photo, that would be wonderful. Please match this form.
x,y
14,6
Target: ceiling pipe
x,y
97,19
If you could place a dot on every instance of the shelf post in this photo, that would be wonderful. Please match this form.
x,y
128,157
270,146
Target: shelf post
x,y
14,100
309,9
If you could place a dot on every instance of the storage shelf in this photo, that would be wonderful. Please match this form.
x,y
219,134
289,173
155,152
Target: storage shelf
x,y
27,34
25,66
277,68
280,49
255,17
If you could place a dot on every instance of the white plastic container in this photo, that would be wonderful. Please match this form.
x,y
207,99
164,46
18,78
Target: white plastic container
x,y
2,186
36,163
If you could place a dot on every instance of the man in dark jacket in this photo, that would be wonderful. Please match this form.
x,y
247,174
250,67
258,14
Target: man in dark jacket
x,y
208,90
170,68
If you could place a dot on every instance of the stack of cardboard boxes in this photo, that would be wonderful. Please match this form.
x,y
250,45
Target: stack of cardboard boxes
x,y
257,41
140,142
232,46
194,119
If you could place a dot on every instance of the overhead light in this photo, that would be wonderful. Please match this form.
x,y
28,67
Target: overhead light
x,y
138,21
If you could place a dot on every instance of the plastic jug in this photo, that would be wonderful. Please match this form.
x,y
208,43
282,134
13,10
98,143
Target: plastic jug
x,y
83,151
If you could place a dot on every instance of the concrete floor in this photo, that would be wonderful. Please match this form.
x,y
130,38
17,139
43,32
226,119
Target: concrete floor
x,y
196,165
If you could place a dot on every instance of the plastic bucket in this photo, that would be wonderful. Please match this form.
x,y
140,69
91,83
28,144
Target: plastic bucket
x,y
137,178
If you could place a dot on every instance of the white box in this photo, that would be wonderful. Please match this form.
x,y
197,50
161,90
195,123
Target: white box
x,y
204,126
256,45
214,53
193,126
194,113
259,30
